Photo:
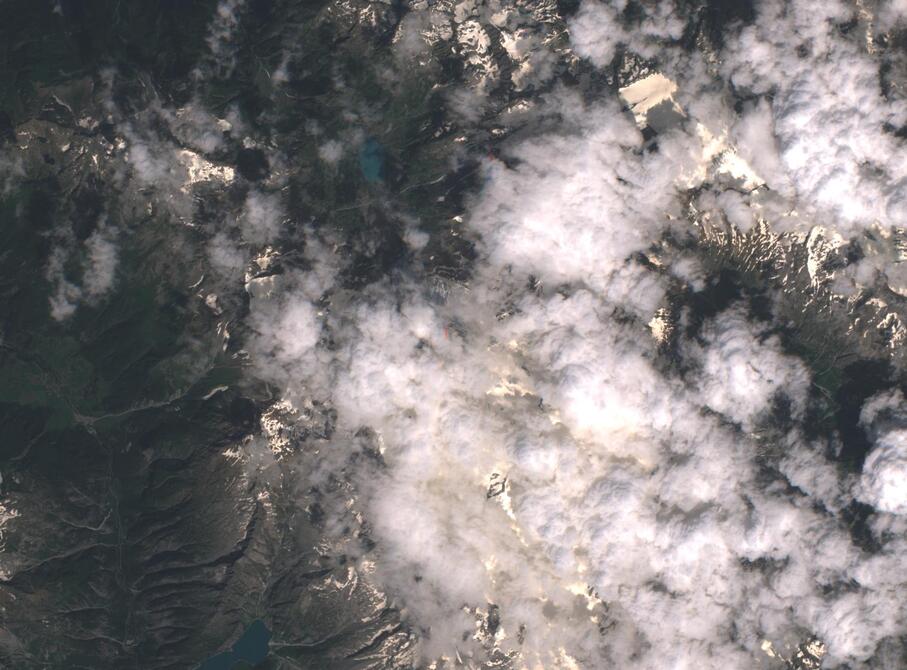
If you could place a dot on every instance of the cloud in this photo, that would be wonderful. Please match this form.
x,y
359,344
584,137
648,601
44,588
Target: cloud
x,y
828,113
98,258
522,451
542,219
194,127
596,31
151,165
331,152
262,217
225,255
522,447
222,58
742,374
754,135
884,481
11,172
101,263
892,14
534,456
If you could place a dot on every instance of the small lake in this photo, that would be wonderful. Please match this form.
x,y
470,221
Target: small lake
x,y
371,160
251,648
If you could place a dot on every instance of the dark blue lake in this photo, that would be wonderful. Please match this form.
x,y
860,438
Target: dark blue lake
x,y
252,648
